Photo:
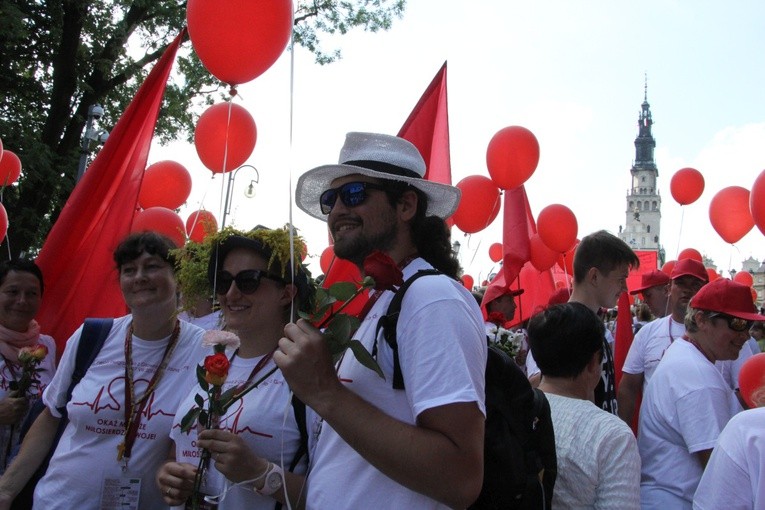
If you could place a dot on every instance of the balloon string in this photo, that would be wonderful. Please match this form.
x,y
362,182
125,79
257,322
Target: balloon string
x,y
680,234
290,162
225,160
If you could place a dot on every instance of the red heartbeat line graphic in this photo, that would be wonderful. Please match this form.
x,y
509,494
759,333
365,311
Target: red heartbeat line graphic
x,y
234,417
102,402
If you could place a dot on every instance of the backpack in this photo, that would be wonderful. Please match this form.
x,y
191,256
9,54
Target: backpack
x,y
520,463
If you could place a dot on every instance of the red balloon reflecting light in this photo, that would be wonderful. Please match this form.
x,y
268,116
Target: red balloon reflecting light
x,y
512,156
237,40
165,184
686,185
542,257
729,213
557,226
479,204
201,224
751,380
495,252
744,278
10,168
467,281
690,253
757,202
217,137
163,221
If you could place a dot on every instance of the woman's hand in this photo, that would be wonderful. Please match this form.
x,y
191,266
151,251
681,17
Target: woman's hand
x,y
12,409
233,458
176,482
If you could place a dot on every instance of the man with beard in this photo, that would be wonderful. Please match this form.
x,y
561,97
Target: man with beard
x,y
380,447
647,349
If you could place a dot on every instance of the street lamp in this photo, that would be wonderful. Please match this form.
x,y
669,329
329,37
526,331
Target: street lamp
x,y
249,192
91,136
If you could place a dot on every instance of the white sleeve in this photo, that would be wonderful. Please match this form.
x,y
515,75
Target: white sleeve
x,y
619,463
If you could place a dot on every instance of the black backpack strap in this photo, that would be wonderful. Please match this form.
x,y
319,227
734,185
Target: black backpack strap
x,y
389,321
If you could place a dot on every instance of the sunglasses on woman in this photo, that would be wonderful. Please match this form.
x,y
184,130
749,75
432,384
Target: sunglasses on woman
x,y
350,193
247,281
735,323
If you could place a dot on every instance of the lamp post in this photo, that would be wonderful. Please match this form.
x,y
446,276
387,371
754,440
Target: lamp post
x,y
91,134
249,192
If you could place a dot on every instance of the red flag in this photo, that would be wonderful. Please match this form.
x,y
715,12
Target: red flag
x,y
623,338
517,227
76,259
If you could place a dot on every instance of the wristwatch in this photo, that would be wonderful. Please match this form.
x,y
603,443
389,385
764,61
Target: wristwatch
x,y
274,480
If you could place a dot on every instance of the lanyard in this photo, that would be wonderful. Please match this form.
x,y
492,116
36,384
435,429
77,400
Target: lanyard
x,y
260,365
134,406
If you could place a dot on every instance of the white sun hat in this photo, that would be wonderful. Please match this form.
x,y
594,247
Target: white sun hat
x,y
379,156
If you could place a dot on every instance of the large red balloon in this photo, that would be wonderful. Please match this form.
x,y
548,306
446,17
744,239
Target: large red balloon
x,y
751,381
467,281
165,184
237,40
744,277
729,213
219,137
495,252
3,222
757,202
479,204
669,266
557,226
201,224
542,257
712,274
686,185
163,221
690,253
10,168
329,260
512,156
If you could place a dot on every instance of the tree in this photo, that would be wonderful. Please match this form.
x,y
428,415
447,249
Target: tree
x,y
58,57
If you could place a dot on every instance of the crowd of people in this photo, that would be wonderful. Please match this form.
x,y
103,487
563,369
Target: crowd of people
x,y
123,414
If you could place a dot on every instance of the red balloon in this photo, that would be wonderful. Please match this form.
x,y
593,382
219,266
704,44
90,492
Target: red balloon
x,y
479,204
218,137
669,266
542,257
690,253
329,260
495,252
729,213
467,281
566,260
3,222
557,227
165,184
201,224
686,186
10,168
751,380
744,277
757,202
754,295
512,156
161,220
712,274
237,40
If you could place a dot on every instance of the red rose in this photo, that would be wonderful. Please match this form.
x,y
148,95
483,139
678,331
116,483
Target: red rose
x,y
216,369
496,318
383,270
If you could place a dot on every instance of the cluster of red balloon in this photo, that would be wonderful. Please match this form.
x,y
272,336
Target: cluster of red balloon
x,y
743,277
10,171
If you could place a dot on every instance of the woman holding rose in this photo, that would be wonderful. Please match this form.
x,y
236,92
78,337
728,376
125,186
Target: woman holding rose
x,y
252,445
27,358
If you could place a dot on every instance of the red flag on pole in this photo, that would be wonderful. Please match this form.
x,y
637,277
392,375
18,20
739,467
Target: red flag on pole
x,y
76,259
517,228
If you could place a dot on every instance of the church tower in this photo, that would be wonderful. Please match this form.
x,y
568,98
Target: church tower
x,y
643,223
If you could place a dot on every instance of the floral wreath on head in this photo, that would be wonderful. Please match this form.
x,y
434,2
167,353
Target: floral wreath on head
x,y
192,261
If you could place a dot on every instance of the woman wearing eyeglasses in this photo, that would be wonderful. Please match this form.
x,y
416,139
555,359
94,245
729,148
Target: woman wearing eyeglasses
x,y
688,403
257,447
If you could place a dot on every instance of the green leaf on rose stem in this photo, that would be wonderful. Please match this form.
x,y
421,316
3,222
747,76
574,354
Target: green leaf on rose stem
x,y
368,282
363,357
191,417
201,378
340,327
342,291
227,395
204,417
306,316
199,400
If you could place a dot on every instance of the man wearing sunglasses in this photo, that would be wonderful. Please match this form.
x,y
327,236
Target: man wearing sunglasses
x,y
687,402
381,447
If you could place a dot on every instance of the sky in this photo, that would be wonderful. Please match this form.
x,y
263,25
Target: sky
x,y
573,72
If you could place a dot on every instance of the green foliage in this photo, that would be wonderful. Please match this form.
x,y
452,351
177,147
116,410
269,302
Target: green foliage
x,y
58,58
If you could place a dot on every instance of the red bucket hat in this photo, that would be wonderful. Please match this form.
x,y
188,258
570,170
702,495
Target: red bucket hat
x,y
652,279
728,297
690,267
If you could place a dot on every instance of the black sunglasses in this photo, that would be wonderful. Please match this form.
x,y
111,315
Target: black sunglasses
x,y
247,281
735,323
351,193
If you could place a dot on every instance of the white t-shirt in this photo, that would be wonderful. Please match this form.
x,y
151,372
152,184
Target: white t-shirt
x,y
442,350
598,461
8,374
86,455
731,368
735,475
649,346
207,322
685,407
264,418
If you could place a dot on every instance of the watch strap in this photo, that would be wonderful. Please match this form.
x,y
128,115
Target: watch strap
x,y
273,480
